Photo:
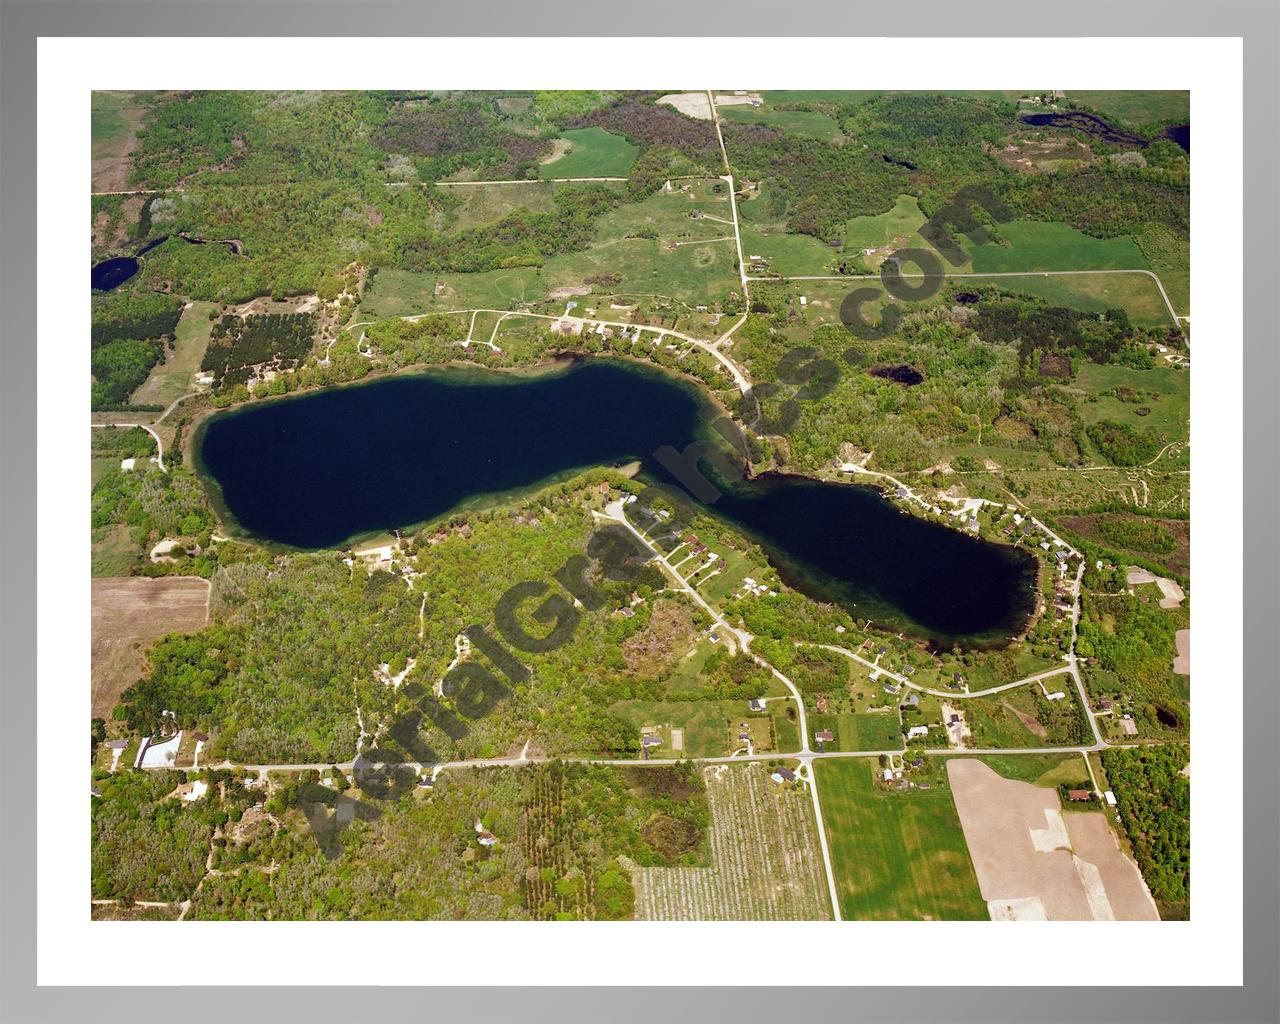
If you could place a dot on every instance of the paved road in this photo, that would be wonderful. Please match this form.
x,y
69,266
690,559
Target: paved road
x,y
949,694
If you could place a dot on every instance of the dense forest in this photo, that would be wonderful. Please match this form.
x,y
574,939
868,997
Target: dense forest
x,y
1154,799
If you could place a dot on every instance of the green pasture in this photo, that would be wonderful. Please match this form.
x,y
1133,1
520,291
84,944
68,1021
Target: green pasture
x,y
593,153
896,855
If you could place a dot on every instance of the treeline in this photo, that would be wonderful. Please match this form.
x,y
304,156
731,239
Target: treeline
x,y
127,334
120,314
1154,800
119,368
523,238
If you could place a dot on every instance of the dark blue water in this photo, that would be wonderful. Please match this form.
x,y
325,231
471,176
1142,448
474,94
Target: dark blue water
x,y
317,470
113,273
1092,124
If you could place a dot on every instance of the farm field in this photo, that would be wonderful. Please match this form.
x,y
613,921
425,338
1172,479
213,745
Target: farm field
x,y
127,613
897,855
1136,294
765,864
170,379
1137,108
1046,245
1035,863
802,123
898,226
593,153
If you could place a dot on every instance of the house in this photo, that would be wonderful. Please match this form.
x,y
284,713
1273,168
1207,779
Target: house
x,y
651,741
1057,695
953,720
911,701
126,465
821,704
1079,796
783,775
487,839
1104,703
888,775
917,730
891,688
917,762
755,704
824,736
744,737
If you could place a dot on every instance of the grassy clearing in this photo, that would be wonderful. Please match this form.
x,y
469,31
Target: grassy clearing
x,y
1157,399
898,226
764,860
1170,257
593,153
170,379
1046,245
1047,770
1137,107
805,124
789,255
1136,294
896,855
483,204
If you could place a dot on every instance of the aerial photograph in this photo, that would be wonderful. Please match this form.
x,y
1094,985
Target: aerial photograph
x,y
714,505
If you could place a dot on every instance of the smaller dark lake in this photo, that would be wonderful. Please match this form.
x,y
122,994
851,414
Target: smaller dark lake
x,y
1092,124
320,469
113,273
907,375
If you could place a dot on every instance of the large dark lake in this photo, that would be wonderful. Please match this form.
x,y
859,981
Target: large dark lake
x,y
317,470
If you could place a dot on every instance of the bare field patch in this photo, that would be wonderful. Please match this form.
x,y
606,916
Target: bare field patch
x,y
765,860
130,612
1035,863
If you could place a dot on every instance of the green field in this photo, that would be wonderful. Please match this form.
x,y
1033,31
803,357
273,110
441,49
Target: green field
x,y
1045,245
1170,257
1166,394
1136,294
106,122
896,855
593,153
806,124
897,226
1048,770
170,379
788,255
850,97
484,204
710,727
1137,107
